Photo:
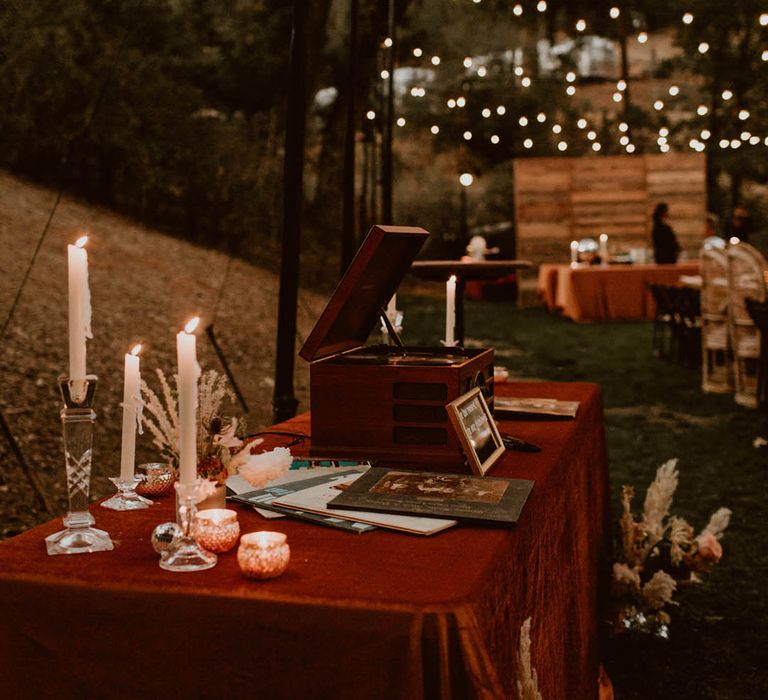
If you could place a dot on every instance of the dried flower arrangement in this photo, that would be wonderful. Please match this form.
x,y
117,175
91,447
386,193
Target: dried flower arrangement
x,y
220,447
527,680
659,553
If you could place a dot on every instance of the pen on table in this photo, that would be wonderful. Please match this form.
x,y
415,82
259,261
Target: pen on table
x,y
513,443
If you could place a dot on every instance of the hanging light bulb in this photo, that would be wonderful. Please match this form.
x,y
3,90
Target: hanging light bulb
x,y
541,5
724,143
467,135
528,143
562,146
664,131
735,143
501,110
526,81
726,95
570,76
754,140
435,129
596,146
388,42
481,71
461,101
523,121
621,85
642,37
623,127
467,62
630,148
687,18
764,19
435,60
705,134
674,90
701,110
703,47
658,105
519,71
486,113
581,25
370,115
401,121
743,114
451,103
614,12
495,139
624,140
664,148
384,74
556,128
745,135
591,135
541,117
617,97
518,9
661,140
582,123
570,91
417,52
764,55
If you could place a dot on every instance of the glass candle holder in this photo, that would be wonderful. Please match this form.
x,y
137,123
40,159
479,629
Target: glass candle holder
x,y
159,478
263,554
217,529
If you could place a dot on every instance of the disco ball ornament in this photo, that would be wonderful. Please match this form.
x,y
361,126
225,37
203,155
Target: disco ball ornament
x,y
164,536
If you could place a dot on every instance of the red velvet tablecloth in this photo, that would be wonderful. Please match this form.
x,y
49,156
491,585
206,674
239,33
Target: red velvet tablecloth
x,y
602,293
376,615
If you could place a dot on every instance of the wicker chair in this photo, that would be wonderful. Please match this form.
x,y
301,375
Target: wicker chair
x,y
746,267
716,366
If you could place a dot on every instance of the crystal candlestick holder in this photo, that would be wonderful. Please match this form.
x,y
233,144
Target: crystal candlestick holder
x,y
185,554
126,497
77,418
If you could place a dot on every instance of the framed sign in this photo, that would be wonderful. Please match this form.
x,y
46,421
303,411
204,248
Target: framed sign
x,y
477,431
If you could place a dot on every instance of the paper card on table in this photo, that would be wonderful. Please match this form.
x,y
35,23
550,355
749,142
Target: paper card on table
x,y
460,496
534,407
315,500
262,500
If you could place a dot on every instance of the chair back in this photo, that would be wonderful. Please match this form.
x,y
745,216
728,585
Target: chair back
x,y
714,282
746,280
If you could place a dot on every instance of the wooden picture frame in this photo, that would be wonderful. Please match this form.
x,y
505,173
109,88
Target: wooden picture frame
x,y
477,431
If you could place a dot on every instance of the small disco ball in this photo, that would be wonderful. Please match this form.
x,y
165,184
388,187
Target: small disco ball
x,y
164,536
588,245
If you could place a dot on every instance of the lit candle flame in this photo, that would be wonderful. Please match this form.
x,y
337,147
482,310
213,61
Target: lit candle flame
x,y
136,349
192,324
80,242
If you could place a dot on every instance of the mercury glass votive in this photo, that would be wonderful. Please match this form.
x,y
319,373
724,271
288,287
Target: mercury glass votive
x,y
216,529
263,554
158,478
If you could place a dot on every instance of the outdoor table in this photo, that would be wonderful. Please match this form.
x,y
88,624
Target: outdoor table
x,y
465,271
375,615
606,292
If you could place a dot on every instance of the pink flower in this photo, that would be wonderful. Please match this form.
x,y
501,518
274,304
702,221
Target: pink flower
x,y
710,550
226,437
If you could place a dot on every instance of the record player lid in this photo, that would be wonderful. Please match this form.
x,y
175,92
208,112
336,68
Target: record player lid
x,y
371,279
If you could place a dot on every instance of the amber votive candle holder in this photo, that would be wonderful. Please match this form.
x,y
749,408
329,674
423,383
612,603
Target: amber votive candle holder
x,y
216,529
263,554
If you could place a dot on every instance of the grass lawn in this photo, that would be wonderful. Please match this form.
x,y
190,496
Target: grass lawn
x,y
655,410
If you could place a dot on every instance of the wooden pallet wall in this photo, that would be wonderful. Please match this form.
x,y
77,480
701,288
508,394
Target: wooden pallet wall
x,y
561,199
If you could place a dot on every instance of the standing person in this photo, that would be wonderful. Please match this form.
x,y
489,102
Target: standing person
x,y
665,245
740,225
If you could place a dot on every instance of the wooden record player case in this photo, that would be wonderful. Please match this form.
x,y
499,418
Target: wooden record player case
x,y
380,402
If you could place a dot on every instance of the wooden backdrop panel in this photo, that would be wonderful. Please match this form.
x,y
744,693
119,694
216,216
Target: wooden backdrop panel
x,y
560,199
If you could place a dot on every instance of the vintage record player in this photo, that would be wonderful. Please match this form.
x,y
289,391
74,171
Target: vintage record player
x,y
385,402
